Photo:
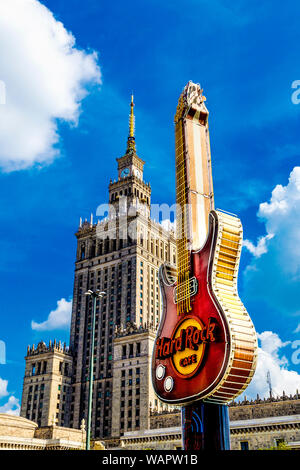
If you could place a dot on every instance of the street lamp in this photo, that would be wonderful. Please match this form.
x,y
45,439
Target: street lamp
x,y
95,295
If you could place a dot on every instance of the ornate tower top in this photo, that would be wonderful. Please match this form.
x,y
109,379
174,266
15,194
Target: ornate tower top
x,y
131,138
130,164
130,184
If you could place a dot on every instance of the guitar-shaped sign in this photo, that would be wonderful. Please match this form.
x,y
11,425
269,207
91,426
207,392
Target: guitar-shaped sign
x,y
206,345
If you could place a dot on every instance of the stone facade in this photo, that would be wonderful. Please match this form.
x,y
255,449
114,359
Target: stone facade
x,y
255,424
263,408
152,439
165,419
132,388
47,384
15,426
263,433
18,433
129,276
260,424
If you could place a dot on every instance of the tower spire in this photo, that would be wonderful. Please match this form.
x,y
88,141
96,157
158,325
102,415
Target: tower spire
x,y
131,138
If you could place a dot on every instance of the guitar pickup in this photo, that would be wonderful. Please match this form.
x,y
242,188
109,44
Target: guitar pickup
x,y
185,290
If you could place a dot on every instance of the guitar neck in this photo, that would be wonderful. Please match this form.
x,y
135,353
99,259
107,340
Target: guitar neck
x,y
194,188
182,216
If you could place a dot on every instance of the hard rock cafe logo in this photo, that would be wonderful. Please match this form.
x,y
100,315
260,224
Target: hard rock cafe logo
x,y
187,345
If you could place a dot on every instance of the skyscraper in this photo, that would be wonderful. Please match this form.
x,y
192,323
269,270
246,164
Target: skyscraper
x,y
120,255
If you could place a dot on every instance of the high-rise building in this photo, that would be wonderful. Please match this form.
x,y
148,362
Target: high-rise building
x,y
47,384
121,255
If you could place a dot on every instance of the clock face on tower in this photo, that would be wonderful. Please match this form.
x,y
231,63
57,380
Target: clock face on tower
x,y
125,172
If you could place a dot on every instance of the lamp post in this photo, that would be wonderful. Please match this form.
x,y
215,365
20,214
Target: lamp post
x,y
95,295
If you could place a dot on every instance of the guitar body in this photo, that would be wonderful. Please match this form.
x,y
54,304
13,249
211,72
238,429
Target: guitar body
x,y
210,352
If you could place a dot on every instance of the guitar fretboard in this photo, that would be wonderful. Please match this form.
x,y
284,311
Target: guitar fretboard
x,y
194,187
182,221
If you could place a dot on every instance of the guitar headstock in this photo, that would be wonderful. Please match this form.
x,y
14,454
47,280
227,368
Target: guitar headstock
x,y
191,101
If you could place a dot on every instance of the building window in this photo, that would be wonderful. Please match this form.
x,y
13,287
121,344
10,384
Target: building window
x,y
244,445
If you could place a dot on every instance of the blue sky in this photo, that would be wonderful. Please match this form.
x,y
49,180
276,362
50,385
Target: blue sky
x,y
245,55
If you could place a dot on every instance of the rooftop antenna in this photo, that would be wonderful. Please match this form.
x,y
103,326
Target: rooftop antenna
x,y
269,383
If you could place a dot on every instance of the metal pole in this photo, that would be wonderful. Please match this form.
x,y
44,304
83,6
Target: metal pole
x,y
91,375
205,426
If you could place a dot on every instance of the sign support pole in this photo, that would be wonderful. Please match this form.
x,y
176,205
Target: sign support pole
x,y
205,426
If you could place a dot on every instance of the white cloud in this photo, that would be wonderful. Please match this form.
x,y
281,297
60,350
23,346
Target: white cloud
x,y
282,218
261,246
274,273
45,76
58,319
168,225
271,343
297,330
3,388
12,407
270,360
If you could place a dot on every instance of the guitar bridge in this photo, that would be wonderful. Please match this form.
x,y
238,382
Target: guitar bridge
x,y
185,290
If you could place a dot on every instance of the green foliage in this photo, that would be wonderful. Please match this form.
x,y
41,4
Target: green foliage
x,y
280,446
